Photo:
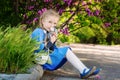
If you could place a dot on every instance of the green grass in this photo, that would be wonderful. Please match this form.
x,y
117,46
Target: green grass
x,y
16,50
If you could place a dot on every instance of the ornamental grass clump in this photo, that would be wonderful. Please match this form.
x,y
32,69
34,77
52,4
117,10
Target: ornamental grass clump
x,y
16,50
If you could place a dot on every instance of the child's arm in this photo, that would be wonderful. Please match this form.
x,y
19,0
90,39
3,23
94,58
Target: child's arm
x,y
38,35
50,45
53,37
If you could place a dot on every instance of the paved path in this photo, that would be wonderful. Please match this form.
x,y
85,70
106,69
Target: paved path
x,y
108,58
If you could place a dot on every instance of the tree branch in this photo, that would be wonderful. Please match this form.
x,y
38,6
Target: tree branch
x,y
75,29
66,22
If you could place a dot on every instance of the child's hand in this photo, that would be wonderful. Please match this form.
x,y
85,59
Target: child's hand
x,y
53,37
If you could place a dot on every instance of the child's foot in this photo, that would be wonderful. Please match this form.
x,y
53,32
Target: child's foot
x,y
88,73
93,71
96,72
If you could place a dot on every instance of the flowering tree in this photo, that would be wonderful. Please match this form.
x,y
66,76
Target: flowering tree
x,y
88,21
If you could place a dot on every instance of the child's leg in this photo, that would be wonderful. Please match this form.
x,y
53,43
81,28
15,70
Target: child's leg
x,y
75,61
84,71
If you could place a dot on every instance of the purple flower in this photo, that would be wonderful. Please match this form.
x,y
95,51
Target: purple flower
x,y
29,22
68,2
61,11
58,5
41,11
97,12
107,24
102,17
30,7
71,12
65,0
35,19
47,0
65,31
25,16
44,9
89,12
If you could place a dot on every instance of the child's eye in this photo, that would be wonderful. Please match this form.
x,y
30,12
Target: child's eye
x,y
50,21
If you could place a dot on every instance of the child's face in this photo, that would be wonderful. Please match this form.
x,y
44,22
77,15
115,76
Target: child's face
x,y
50,21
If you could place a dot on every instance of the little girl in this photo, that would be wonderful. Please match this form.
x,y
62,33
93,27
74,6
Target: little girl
x,y
46,34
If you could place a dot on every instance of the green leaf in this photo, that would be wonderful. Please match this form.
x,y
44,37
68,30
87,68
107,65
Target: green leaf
x,y
85,23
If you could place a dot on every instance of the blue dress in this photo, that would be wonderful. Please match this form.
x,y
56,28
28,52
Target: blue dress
x,y
58,54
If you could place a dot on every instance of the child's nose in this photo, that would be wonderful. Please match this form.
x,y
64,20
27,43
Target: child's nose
x,y
53,25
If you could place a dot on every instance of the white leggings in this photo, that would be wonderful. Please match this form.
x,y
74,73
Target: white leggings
x,y
75,61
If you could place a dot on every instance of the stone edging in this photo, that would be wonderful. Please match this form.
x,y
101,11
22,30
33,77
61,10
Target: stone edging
x,y
36,73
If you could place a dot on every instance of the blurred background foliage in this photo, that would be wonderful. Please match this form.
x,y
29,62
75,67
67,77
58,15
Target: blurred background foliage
x,y
82,21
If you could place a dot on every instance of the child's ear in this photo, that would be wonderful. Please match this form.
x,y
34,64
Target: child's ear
x,y
42,21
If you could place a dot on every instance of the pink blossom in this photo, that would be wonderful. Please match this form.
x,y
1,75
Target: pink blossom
x,y
60,11
65,0
97,12
107,24
89,12
68,2
57,5
98,77
71,12
29,22
65,31
35,19
41,11
44,9
47,0
30,7
25,16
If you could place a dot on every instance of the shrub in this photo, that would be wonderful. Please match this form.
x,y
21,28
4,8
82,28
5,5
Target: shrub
x,y
16,50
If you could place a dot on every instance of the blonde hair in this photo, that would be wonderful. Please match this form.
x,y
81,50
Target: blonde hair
x,y
47,13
